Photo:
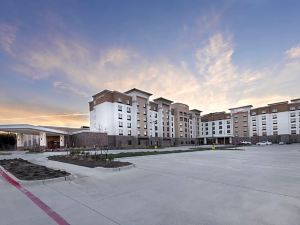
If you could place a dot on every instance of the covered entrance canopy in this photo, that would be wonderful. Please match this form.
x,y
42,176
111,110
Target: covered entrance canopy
x,y
56,135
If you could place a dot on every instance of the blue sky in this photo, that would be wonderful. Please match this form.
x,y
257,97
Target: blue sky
x,y
212,55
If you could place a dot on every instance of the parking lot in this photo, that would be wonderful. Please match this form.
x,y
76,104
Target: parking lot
x,y
260,185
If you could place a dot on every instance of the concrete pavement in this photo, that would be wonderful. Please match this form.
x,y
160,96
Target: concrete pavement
x,y
258,186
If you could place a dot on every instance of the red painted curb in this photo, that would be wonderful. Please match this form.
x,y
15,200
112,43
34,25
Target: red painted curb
x,y
51,213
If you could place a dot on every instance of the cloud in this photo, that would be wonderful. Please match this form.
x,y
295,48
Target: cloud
x,y
17,114
216,84
7,37
293,53
69,89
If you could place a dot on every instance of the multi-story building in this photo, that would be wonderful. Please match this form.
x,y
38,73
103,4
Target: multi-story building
x,y
276,122
240,121
216,128
132,119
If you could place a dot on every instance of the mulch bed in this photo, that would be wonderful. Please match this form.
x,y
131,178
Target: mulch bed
x,y
24,170
88,162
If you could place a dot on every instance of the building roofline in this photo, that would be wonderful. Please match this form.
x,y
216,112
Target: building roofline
x,y
138,90
278,103
294,100
240,107
196,110
163,99
101,92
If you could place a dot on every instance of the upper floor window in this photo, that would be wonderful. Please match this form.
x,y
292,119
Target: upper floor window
x,y
253,113
120,108
274,110
127,102
119,100
293,114
292,108
128,109
263,117
274,116
120,116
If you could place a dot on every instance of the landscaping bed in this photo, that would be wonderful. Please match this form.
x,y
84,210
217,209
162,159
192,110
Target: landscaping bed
x,y
24,170
89,161
84,158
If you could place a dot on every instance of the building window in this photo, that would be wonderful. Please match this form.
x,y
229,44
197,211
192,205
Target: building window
x,y
128,125
292,108
253,124
120,124
264,128
228,131
275,128
293,126
254,134
138,125
127,102
120,116
293,132
220,132
264,123
264,133
274,116
263,117
253,118
145,126
120,132
275,132
128,109
139,133
293,114
274,121
145,112
120,100
128,117
293,120
253,113
129,133
263,111
274,110
120,108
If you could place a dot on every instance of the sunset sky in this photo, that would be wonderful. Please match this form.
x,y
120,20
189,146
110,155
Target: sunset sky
x,y
212,55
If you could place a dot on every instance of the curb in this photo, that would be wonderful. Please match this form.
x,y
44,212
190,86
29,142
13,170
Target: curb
x,y
116,169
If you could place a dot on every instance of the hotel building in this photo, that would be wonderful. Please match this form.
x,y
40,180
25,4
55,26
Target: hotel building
x,y
131,119
276,122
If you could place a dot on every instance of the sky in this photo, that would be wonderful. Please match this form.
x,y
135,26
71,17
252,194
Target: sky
x,y
212,55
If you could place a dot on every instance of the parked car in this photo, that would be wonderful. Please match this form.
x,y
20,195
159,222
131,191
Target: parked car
x,y
245,143
281,143
264,143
